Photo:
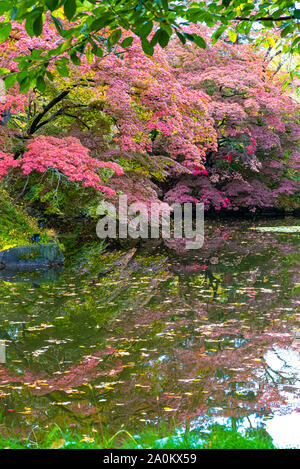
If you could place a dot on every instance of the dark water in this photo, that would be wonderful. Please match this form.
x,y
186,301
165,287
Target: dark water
x,y
158,335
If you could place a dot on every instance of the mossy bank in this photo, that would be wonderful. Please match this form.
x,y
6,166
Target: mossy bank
x,y
16,226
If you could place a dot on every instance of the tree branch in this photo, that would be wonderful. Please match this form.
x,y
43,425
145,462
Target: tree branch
x,y
78,118
34,126
58,113
267,18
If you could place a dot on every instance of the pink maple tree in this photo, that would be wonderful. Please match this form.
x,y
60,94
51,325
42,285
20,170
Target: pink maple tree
x,y
213,123
256,123
65,155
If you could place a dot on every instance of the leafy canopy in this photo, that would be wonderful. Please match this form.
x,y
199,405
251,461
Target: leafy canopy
x,y
153,22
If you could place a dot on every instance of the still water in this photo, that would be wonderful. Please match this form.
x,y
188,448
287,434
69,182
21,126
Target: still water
x,y
158,334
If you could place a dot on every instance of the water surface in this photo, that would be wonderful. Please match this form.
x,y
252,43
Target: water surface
x,y
158,334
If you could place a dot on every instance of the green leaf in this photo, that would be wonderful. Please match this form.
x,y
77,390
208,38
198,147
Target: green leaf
x,y
4,71
127,42
57,23
29,28
62,68
10,80
21,76
37,25
297,14
49,75
288,29
199,41
40,83
147,47
3,7
89,55
75,59
114,37
145,29
165,5
35,54
166,27
181,37
232,35
70,9
190,37
99,23
97,51
52,4
24,85
5,29
218,33
161,37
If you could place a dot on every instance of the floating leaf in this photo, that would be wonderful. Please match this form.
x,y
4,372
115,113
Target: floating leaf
x,y
58,444
279,229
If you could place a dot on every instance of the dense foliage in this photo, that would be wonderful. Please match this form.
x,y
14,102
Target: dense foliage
x,y
86,19
184,124
257,162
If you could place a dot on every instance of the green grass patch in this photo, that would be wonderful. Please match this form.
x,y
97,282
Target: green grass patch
x,y
217,437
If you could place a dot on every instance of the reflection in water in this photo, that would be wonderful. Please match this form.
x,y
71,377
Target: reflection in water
x,y
154,335
36,276
285,430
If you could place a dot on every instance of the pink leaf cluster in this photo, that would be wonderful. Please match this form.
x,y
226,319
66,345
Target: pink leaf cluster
x,y
145,99
255,120
66,155
7,161
222,107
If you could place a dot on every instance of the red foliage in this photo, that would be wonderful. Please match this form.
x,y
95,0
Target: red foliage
x,y
168,111
7,161
65,155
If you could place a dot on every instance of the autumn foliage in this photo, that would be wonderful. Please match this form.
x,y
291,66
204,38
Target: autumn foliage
x,y
213,125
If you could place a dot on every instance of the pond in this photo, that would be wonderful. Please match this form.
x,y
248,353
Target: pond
x,y
158,334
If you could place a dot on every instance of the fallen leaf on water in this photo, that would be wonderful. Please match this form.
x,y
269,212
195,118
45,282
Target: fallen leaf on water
x,y
58,444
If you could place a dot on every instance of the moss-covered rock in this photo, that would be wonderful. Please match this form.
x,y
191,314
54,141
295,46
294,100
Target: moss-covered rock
x,y
31,256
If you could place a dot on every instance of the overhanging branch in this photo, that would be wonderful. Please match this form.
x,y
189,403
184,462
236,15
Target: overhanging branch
x,y
36,122
266,18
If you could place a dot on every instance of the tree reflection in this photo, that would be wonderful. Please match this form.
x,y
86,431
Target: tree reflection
x,y
129,338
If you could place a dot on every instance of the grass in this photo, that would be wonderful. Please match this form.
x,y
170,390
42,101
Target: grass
x,y
217,437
